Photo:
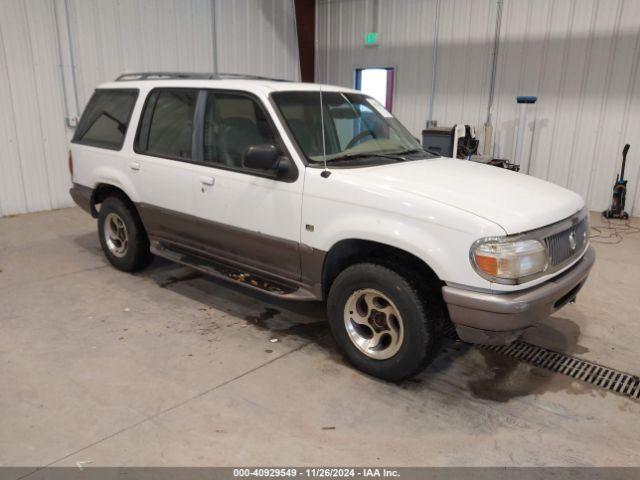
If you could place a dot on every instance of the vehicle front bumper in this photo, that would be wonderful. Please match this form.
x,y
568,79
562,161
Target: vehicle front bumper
x,y
500,318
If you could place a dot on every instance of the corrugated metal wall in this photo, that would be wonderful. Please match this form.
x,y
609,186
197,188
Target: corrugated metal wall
x,y
54,52
259,37
407,31
109,38
580,57
33,172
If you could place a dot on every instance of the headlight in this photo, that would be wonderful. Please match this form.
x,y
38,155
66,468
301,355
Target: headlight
x,y
507,260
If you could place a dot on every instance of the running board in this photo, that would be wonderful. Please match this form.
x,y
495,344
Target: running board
x,y
217,269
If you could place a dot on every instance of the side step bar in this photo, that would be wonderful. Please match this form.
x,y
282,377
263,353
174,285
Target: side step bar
x,y
209,266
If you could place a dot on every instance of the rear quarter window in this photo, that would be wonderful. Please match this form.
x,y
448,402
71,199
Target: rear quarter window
x,y
106,118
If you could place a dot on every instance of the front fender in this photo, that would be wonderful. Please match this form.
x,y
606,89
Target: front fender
x,y
443,247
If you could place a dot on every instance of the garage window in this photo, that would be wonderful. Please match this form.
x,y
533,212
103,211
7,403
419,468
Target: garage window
x,y
106,118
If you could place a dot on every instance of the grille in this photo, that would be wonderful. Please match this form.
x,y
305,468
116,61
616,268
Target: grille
x,y
559,244
603,377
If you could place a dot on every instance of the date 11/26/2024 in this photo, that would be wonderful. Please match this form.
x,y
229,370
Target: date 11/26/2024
x,y
316,473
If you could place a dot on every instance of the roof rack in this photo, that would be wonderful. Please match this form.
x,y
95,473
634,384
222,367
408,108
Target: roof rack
x,y
129,77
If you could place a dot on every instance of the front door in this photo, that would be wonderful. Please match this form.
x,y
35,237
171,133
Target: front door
x,y
246,217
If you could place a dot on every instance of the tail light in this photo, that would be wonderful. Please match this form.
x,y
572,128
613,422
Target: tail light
x,y
71,165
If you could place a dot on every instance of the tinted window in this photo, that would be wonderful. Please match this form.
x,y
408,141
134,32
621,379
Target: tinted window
x,y
167,123
232,123
106,118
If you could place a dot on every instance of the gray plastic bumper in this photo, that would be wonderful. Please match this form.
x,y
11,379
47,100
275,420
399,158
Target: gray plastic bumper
x,y
494,319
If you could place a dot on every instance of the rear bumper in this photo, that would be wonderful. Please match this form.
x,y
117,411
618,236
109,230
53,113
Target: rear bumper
x,y
82,196
495,319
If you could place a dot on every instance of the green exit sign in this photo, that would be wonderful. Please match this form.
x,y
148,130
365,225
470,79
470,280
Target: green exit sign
x,y
371,39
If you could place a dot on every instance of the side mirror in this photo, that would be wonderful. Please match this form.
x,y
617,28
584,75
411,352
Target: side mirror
x,y
261,157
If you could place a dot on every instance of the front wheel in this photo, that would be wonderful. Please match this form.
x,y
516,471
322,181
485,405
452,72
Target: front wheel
x,y
382,324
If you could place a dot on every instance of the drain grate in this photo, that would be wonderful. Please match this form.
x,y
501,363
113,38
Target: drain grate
x,y
603,377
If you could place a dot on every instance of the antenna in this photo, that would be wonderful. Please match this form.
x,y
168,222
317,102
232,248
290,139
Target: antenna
x,y
326,172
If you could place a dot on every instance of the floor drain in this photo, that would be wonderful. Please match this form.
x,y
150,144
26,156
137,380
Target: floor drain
x,y
603,377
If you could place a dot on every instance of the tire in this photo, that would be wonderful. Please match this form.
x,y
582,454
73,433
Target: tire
x,y
404,346
128,252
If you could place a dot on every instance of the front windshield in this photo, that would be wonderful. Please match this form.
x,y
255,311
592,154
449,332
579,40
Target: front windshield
x,y
354,125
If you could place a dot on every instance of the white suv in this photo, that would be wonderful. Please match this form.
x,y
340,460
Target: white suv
x,y
319,193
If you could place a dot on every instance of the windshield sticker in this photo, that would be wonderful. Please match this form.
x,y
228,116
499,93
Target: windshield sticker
x,y
378,106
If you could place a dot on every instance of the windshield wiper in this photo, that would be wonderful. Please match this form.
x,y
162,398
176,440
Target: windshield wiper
x,y
416,150
351,156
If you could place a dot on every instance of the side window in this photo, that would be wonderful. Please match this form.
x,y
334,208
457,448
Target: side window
x,y
232,123
166,127
105,120
303,118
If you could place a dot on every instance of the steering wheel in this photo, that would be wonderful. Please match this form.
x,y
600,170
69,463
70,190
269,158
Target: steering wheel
x,y
360,136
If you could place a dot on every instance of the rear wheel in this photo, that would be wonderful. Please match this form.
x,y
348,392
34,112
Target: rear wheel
x,y
382,324
122,236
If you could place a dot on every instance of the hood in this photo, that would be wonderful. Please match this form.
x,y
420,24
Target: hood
x,y
515,201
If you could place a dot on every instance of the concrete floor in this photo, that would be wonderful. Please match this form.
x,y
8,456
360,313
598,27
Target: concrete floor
x,y
169,368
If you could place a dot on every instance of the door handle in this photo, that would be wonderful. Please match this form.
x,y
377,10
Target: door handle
x,y
204,180
134,166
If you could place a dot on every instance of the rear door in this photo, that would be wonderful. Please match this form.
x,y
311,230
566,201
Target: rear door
x,y
161,165
246,216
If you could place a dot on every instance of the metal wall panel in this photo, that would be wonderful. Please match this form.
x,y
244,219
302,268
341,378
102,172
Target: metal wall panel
x,y
407,32
33,165
580,57
406,35
111,37
257,37
53,53
465,45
